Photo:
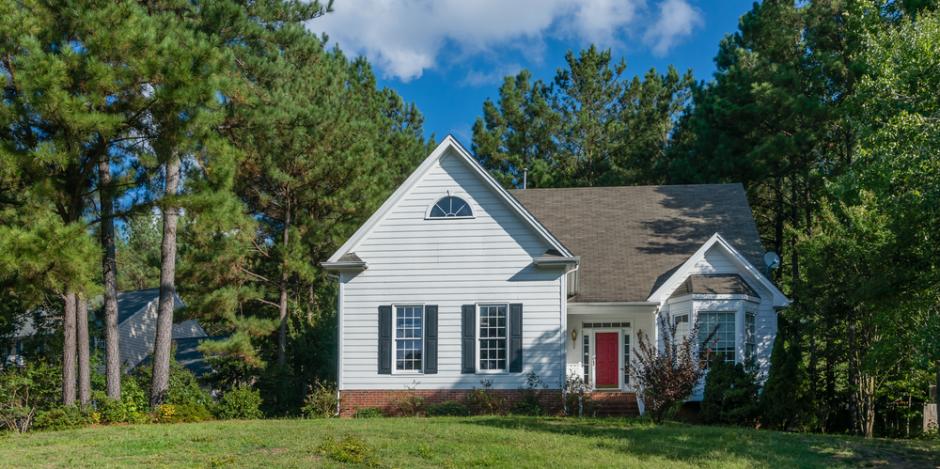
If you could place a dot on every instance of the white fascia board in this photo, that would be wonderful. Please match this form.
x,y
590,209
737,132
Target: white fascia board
x,y
447,144
779,299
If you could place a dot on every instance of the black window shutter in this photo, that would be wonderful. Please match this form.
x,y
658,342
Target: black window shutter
x,y
468,338
385,340
430,339
515,338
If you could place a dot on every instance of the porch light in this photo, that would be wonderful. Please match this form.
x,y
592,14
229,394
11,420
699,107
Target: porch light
x,y
574,336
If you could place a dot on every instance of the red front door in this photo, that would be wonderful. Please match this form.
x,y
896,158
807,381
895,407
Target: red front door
x,y
605,353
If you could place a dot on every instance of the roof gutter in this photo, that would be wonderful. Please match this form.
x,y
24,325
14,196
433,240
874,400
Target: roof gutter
x,y
556,261
345,266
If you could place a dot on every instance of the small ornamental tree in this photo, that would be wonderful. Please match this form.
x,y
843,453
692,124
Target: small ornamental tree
x,y
665,376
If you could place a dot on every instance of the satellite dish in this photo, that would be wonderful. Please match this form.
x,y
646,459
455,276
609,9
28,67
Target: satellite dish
x,y
772,260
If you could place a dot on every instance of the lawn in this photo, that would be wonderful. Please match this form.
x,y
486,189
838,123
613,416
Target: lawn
x,y
452,442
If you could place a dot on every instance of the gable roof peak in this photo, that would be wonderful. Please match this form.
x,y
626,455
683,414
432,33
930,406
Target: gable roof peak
x,y
449,145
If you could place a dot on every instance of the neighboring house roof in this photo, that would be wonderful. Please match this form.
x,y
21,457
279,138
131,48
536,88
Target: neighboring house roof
x,y
714,284
131,302
188,355
341,260
631,239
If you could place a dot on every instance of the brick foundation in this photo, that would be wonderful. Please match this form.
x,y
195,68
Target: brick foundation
x,y
387,400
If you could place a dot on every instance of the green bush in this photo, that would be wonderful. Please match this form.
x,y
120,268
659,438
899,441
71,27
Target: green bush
x,y
239,403
411,405
531,401
321,402
349,450
368,412
731,394
448,408
481,401
183,387
172,413
61,418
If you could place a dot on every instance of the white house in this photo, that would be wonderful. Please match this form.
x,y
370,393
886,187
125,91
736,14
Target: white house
x,y
455,282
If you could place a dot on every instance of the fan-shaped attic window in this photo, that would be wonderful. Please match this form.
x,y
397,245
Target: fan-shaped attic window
x,y
450,207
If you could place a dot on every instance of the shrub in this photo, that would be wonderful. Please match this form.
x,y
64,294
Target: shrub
x,y
482,401
25,390
239,403
173,413
782,405
448,408
577,400
321,401
531,401
368,413
61,418
348,450
665,380
410,406
183,387
731,394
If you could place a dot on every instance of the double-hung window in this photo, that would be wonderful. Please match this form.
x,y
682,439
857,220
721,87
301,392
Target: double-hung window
x,y
716,335
409,339
492,337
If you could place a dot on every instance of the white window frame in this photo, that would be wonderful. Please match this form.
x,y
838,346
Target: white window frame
x,y
734,324
477,338
464,198
395,370
750,337
675,323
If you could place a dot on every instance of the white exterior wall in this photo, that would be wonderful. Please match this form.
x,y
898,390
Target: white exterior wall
x,y
449,263
639,317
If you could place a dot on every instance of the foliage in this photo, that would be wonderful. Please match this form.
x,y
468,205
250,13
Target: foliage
x,y
239,403
590,127
184,388
62,418
448,409
179,413
321,401
348,450
531,401
411,405
483,401
666,379
26,391
782,400
577,399
731,394
368,412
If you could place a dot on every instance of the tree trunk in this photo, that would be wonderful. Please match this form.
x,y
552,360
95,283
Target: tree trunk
x,y
68,350
84,363
162,344
109,274
282,303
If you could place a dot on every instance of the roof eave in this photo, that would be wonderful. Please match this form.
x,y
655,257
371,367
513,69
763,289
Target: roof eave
x,y
556,261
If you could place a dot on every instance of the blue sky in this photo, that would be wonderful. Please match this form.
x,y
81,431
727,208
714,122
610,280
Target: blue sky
x,y
448,56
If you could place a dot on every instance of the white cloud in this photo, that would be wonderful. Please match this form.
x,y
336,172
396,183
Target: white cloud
x,y
403,38
675,22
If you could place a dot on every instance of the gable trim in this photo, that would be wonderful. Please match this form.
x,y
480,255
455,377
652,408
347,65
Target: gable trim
x,y
661,294
447,144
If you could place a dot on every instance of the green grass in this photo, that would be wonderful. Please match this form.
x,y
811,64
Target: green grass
x,y
452,442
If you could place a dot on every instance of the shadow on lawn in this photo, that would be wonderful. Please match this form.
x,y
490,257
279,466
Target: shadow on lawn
x,y
690,443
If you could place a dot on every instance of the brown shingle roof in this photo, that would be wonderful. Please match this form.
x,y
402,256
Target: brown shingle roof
x,y
631,238
711,284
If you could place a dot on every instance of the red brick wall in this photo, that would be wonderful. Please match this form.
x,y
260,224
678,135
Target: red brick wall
x,y
387,400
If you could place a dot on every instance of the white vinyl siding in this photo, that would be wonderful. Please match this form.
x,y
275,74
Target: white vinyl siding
x,y
452,262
